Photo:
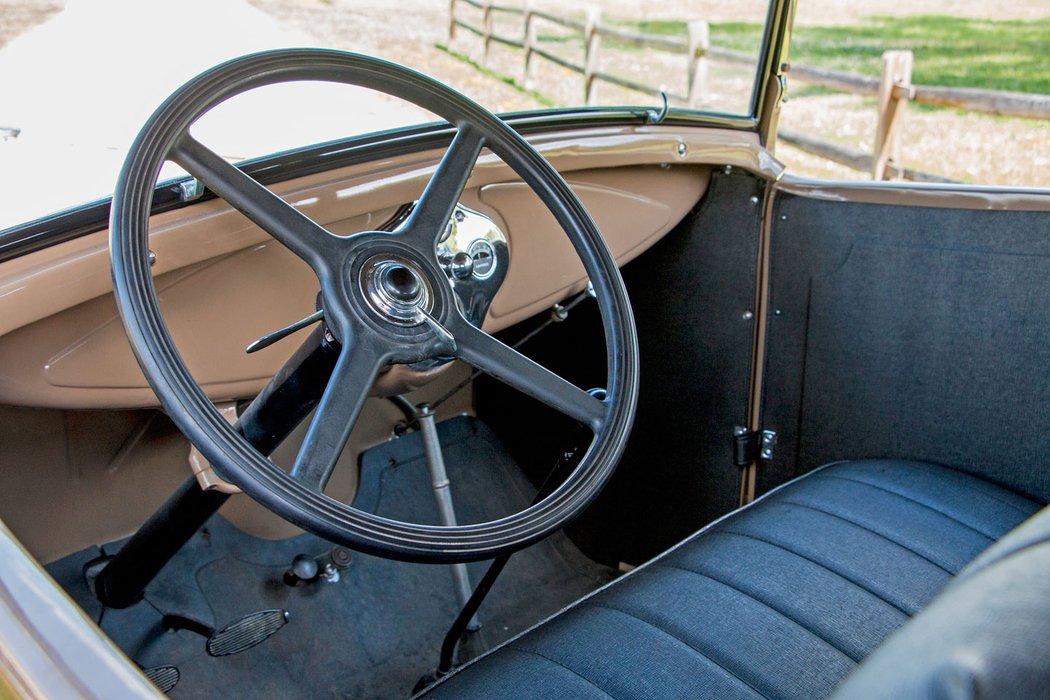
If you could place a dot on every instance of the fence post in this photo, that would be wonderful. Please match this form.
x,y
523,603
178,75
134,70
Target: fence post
x,y
592,42
895,89
530,42
451,20
486,27
699,43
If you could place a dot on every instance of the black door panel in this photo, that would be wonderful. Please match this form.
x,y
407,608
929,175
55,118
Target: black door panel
x,y
910,332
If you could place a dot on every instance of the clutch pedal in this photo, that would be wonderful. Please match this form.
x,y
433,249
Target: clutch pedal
x,y
164,677
245,633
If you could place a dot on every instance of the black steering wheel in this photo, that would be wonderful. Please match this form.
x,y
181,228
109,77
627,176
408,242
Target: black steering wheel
x,y
386,300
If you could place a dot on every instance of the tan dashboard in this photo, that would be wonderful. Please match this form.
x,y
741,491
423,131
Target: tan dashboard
x,y
222,282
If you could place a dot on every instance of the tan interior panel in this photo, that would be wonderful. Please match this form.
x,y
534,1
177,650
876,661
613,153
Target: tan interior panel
x,y
633,208
80,357
218,309
96,474
50,280
102,473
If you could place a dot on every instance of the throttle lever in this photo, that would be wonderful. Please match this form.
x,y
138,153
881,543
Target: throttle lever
x,y
446,338
271,338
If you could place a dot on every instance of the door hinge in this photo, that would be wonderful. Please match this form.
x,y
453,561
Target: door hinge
x,y
752,445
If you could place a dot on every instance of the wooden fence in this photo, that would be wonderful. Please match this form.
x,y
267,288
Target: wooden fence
x,y
893,88
696,47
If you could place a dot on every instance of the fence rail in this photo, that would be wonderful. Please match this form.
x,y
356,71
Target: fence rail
x,y
852,158
893,88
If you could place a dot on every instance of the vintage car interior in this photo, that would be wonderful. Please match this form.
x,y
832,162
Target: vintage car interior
x,y
584,403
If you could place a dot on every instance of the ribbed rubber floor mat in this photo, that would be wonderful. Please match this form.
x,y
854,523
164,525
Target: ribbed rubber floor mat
x,y
164,677
246,632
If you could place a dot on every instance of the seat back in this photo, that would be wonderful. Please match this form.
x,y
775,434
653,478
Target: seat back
x,y
984,636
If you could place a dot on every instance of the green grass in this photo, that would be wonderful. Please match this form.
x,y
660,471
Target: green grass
x,y
559,39
954,51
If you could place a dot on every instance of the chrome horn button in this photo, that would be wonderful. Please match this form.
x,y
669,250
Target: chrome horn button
x,y
395,289
399,283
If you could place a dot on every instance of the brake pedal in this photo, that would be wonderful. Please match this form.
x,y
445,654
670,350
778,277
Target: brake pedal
x,y
164,677
245,633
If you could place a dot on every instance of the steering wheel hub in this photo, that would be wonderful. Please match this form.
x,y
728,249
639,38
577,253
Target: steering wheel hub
x,y
395,289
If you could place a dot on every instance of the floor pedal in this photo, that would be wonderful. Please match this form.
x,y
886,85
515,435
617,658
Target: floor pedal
x,y
246,632
164,677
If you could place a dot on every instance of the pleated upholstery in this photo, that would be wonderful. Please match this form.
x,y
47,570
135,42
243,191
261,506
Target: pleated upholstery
x,y
779,600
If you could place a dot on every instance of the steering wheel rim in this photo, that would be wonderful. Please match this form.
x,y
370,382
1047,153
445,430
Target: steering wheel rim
x,y
339,262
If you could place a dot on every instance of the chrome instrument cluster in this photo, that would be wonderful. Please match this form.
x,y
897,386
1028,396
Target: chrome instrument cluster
x,y
473,252
468,246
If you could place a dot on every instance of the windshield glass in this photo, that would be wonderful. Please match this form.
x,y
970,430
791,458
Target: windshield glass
x,y
79,78
926,90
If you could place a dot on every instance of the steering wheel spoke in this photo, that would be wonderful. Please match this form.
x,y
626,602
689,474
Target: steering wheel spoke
x,y
351,381
428,219
281,220
478,348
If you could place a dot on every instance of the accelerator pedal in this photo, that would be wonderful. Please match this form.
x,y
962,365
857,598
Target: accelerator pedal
x,y
164,677
245,633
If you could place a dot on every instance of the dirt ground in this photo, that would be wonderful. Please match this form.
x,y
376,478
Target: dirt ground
x,y
16,16
968,147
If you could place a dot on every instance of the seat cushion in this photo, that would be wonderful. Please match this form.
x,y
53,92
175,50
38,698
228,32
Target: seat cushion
x,y
781,599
